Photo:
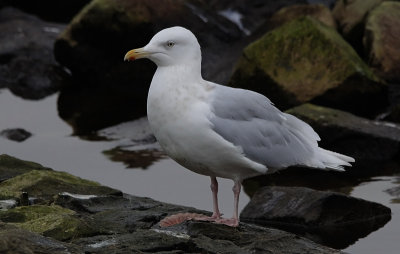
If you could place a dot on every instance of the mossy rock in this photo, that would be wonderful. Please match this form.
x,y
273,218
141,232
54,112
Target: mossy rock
x,y
52,221
303,61
45,184
382,39
11,166
318,11
350,16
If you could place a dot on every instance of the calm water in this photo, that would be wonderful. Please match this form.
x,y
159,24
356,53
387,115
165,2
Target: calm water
x,y
52,145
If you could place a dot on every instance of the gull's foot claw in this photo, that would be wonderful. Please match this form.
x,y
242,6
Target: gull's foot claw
x,y
232,222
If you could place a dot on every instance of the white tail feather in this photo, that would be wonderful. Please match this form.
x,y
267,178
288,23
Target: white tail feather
x,y
333,160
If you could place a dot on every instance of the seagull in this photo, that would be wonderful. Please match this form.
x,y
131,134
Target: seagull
x,y
220,131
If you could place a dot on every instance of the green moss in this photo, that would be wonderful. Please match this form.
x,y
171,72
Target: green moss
x,y
11,167
305,56
324,116
53,221
11,163
45,182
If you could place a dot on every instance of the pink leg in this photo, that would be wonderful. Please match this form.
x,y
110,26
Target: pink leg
x,y
234,221
214,188
216,216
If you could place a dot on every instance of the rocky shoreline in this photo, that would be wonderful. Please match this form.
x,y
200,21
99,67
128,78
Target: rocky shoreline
x,y
46,211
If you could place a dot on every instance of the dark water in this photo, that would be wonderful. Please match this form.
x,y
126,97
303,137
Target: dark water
x,y
52,145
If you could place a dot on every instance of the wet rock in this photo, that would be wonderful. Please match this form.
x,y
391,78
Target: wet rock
x,y
328,218
197,237
51,221
394,115
303,61
318,11
17,134
105,223
56,11
11,166
365,140
43,185
15,240
350,16
381,39
95,204
27,64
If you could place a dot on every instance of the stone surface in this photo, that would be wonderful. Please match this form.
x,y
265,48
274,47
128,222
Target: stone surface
x,y
329,218
51,221
16,134
318,11
381,40
350,16
365,140
15,240
303,61
42,185
108,223
27,64
394,115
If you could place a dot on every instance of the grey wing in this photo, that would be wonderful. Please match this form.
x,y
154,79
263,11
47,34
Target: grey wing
x,y
264,133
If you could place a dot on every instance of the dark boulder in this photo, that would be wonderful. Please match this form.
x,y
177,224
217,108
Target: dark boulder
x,y
365,140
27,64
16,134
329,218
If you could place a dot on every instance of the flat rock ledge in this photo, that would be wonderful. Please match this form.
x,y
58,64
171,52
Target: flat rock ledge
x,y
326,217
45,211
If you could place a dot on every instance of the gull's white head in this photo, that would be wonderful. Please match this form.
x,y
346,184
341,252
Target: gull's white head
x,y
171,46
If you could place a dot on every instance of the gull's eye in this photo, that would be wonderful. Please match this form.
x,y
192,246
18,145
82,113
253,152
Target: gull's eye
x,y
170,44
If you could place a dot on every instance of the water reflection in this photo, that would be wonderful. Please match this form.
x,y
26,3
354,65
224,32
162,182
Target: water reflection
x,y
338,236
135,159
395,191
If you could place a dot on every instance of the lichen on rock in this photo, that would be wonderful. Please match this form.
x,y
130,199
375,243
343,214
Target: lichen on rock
x,y
44,185
52,221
